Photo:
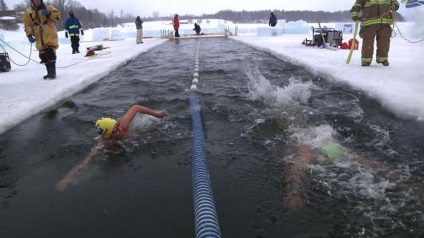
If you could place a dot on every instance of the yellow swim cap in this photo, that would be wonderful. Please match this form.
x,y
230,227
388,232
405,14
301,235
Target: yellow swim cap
x,y
105,127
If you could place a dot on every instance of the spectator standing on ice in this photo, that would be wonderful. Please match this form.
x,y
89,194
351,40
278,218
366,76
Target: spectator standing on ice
x,y
39,21
139,27
72,29
272,20
377,16
176,24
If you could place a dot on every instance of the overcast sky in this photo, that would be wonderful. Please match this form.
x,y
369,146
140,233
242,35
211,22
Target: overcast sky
x,y
145,8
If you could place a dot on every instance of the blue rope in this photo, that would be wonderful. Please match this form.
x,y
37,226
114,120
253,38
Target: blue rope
x,y
205,215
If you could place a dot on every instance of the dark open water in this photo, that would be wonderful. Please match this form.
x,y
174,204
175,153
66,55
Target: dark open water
x,y
256,111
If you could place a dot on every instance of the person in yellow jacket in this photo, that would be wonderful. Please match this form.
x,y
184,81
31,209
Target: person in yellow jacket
x,y
39,21
377,16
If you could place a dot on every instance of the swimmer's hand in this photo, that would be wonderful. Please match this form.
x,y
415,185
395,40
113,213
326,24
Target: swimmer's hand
x,y
161,114
60,186
69,178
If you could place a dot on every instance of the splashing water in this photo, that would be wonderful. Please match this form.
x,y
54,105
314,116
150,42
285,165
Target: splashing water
x,y
260,89
315,137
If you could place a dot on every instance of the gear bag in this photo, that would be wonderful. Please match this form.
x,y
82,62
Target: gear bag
x,y
4,62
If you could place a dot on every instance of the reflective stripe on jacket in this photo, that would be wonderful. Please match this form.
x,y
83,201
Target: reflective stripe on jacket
x,y
375,11
73,26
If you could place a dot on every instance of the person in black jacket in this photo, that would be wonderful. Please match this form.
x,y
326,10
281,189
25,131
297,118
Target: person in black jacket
x,y
139,27
73,28
272,20
197,29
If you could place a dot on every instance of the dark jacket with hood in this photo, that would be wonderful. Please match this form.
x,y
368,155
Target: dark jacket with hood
x,y
272,20
197,28
138,23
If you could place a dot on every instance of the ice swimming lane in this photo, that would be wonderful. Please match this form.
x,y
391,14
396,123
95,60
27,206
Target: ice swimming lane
x,y
206,218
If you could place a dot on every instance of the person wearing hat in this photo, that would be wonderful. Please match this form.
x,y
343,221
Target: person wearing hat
x,y
109,130
39,22
139,27
330,153
73,29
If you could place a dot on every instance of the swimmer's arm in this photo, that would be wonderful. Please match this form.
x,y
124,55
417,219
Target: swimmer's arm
x,y
381,169
304,155
129,116
69,177
294,176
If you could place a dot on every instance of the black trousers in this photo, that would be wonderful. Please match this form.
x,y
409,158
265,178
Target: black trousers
x,y
47,55
75,43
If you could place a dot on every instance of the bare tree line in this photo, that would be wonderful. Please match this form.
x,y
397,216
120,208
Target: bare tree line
x,y
93,18
90,18
262,16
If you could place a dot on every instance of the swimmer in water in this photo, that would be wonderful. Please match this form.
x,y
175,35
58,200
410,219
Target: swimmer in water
x,y
306,154
109,130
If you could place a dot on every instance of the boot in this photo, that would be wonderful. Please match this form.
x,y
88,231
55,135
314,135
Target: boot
x,y
48,71
52,70
385,63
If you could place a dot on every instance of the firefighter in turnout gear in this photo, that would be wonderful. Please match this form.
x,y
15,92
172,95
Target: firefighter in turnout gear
x,y
39,21
73,29
376,20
